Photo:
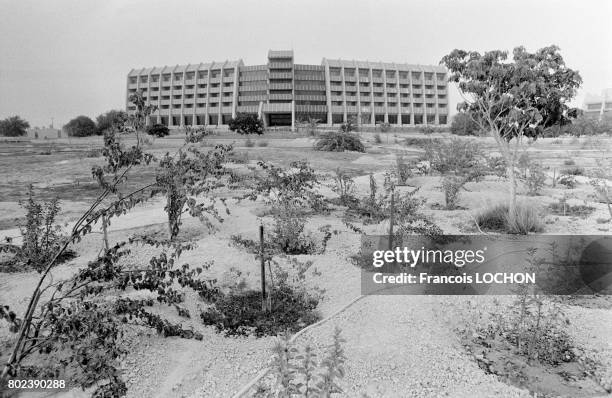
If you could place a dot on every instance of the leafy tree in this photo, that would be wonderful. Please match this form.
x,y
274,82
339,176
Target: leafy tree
x,y
464,124
514,99
158,130
110,119
246,124
81,126
74,330
185,176
13,126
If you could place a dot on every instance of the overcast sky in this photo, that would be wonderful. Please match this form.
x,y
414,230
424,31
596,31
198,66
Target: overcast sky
x,y
64,58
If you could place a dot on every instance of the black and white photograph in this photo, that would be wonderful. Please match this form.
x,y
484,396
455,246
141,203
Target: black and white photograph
x,y
305,199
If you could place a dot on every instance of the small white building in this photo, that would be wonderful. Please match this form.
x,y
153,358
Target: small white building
x,y
44,133
599,106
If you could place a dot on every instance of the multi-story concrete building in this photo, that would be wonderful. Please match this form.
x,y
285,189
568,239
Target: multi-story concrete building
x,y
599,107
283,93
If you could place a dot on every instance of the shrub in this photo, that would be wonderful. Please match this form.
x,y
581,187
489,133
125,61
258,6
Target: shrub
x,y
344,186
497,218
420,142
384,127
111,119
574,171
563,208
41,238
158,130
310,125
377,138
298,373
246,124
427,130
497,166
406,209
459,161
290,306
13,126
403,170
569,162
81,126
288,233
240,313
534,177
463,124
451,185
457,155
339,142
93,153
569,181
249,143
349,126
262,143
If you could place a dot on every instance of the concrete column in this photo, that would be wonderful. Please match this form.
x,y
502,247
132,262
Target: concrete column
x,y
398,96
358,86
385,104
328,92
261,115
292,115
171,106
127,89
235,93
183,97
372,111
221,80
411,98
344,116
437,115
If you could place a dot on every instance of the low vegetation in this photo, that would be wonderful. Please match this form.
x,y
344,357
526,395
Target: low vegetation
x,y
246,124
339,141
495,218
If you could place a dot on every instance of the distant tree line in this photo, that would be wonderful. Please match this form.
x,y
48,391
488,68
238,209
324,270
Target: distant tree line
x,y
13,126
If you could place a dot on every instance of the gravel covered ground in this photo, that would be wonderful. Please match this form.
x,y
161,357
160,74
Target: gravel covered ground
x,y
397,346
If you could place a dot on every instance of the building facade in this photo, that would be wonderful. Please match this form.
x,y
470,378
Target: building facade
x,y
599,107
283,93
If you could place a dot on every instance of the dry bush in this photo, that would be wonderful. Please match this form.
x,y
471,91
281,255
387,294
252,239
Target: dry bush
x,y
497,218
333,141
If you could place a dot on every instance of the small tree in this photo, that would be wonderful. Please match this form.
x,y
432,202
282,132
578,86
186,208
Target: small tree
x,y
158,130
464,124
111,119
246,124
349,126
81,126
514,99
13,126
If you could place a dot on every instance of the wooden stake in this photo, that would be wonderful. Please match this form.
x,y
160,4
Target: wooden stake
x,y
391,219
264,307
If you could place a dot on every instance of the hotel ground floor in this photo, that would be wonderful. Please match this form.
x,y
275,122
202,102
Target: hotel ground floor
x,y
286,115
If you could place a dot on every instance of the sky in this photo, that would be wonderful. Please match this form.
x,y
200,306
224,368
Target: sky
x,y
64,58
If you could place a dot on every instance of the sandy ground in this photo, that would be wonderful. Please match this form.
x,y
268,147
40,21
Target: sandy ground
x,y
397,346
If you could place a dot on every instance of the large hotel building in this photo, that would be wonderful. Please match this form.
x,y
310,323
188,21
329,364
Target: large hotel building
x,y
283,93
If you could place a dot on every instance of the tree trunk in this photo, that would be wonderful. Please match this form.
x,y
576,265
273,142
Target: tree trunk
x,y
512,204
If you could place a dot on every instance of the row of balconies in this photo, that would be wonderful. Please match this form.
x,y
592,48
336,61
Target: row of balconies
x,y
281,86
310,98
280,65
309,87
310,78
280,75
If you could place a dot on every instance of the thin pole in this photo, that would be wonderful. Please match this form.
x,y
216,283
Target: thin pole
x,y
263,268
104,228
391,219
